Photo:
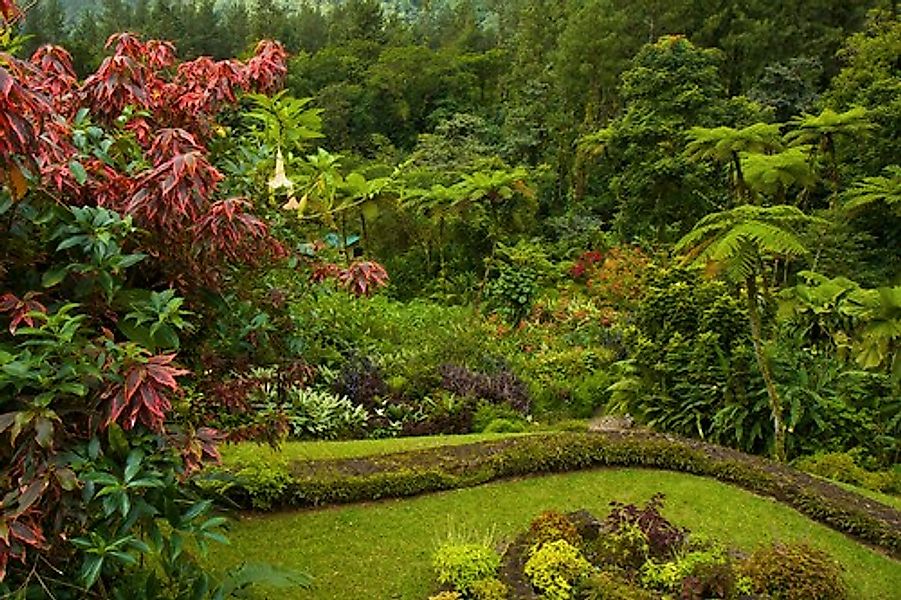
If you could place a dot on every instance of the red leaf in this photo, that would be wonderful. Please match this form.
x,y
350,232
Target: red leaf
x,y
144,394
19,309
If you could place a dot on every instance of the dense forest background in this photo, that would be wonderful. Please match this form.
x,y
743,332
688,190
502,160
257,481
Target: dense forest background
x,y
524,81
366,219
524,158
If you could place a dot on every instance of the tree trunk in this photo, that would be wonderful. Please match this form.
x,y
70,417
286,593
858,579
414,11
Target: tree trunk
x,y
364,231
740,187
765,370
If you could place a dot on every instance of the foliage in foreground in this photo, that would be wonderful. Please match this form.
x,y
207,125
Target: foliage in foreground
x,y
98,435
635,552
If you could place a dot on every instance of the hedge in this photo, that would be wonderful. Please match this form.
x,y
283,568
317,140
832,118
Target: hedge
x,y
263,485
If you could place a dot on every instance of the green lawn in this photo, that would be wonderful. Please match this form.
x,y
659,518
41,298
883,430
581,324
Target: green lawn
x,y
887,499
382,550
237,454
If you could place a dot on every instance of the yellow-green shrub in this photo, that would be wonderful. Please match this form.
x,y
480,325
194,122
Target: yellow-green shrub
x,y
555,567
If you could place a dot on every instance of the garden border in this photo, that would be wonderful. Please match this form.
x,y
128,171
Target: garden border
x,y
337,481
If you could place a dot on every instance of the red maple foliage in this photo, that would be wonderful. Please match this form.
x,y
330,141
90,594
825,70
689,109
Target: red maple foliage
x,y
360,278
173,195
119,82
266,70
169,143
21,112
54,77
198,446
325,271
229,231
17,533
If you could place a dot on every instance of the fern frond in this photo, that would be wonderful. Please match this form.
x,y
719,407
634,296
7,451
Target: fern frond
x,y
810,129
872,190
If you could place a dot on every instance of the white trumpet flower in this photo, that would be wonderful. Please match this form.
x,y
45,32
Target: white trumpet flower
x,y
279,180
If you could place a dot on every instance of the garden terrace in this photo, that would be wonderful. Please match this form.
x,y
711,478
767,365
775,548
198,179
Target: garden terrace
x,y
383,549
266,484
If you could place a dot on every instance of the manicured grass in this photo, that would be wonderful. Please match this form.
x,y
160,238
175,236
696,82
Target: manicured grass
x,y
244,452
383,550
887,499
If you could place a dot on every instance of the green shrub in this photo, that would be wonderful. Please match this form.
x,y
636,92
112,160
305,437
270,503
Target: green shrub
x,y
627,548
605,586
842,466
711,580
487,413
590,393
446,596
795,572
669,576
552,526
490,589
555,567
572,425
463,564
505,426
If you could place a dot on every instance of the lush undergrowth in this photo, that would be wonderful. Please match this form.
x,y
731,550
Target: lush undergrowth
x,y
378,235
383,550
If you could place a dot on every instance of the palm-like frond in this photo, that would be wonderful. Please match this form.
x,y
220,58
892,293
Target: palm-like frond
x,y
871,190
719,143
768,173
810,129
594,144
739,238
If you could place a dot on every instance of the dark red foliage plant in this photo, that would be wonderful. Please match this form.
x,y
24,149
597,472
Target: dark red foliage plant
x,y
144,392
663,537
96,428
20,310
9,12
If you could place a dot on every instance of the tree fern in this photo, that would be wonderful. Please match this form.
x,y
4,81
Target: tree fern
x,y
737,241
743,235
872,190
719,143
595,144
811,130
775,173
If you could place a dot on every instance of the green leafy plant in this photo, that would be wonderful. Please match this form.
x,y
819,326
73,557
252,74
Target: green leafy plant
x,y
554,568
606,586
843,466
155,321
490,589
462,565
323,415
692,574
626,548
552,526
794,572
